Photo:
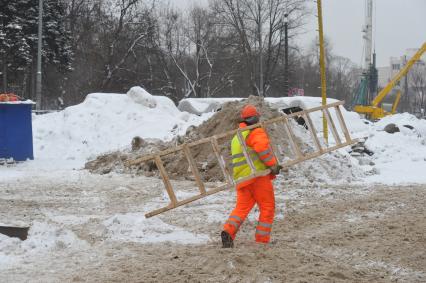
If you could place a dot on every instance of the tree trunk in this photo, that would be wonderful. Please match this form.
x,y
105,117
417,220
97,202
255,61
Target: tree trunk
x,y
4,74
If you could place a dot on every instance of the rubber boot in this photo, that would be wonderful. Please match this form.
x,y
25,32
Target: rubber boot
x,y
227,241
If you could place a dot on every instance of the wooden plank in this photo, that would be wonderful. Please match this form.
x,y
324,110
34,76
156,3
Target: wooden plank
x,y
245,151
312,131
194,169
342,123
220,161
292,138
330,121
166,180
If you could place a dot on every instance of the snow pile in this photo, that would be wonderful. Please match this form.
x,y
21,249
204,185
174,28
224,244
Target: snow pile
x,y
398,157
28,101
42,238
142,97
199,106
319,169
106,122
134,227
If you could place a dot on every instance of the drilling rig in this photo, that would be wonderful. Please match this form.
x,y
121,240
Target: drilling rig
x,y
367,87
366,99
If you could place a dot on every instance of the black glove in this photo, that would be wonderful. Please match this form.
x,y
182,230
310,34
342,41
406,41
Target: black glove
x,y
275,170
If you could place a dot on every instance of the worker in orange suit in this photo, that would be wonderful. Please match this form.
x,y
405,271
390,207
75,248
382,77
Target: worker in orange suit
x,y
258,190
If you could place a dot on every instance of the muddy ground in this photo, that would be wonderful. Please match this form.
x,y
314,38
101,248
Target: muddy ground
x,y
324,233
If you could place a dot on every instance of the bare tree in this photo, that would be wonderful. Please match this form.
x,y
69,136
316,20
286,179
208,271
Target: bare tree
x,y
136,31
231,48
417,78
257,22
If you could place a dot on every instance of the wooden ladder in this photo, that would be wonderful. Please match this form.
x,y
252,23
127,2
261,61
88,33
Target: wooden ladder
x,y
229,182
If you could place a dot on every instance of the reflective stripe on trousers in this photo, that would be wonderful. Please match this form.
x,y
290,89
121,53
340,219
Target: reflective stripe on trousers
x,y
263,231
235,221
259,192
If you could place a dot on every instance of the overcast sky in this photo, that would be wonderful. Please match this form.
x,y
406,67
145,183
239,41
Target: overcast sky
x,y
399,24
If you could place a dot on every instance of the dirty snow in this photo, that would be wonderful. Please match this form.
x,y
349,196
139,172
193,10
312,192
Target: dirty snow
x,y
134,227
42,239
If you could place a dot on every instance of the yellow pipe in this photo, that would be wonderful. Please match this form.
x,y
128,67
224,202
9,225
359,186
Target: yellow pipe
x,y
396,102
322,67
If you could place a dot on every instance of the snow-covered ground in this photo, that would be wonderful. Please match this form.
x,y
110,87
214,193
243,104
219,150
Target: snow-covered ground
x,y
399,157
65,140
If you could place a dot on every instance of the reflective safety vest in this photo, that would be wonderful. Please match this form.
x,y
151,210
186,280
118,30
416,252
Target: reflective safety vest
x,y
239,165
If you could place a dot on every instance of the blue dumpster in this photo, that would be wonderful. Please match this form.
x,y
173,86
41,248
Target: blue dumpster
x,y
16,134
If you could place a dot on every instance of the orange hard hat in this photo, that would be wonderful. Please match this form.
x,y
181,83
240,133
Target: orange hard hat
x,y
249,111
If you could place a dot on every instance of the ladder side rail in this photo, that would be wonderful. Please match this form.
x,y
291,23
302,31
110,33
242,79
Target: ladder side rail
x,y
317,154
188,200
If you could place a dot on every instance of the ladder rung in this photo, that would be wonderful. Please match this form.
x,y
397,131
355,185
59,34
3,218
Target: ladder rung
x,y
194,169
333,126
292,139
220,160
166,180
312,131
245,151
342,123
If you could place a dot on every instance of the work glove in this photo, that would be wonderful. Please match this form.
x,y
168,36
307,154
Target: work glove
x,y
275,170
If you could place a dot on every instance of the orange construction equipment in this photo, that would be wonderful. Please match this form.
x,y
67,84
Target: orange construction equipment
x,y
258,190
8,97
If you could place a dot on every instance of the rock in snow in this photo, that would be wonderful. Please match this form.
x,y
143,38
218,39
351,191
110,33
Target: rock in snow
x,y
391,128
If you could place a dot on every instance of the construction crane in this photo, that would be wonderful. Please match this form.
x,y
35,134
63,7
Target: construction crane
x,y
367,87
375,111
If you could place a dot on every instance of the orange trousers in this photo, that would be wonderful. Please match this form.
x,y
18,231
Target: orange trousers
x,y
260,192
